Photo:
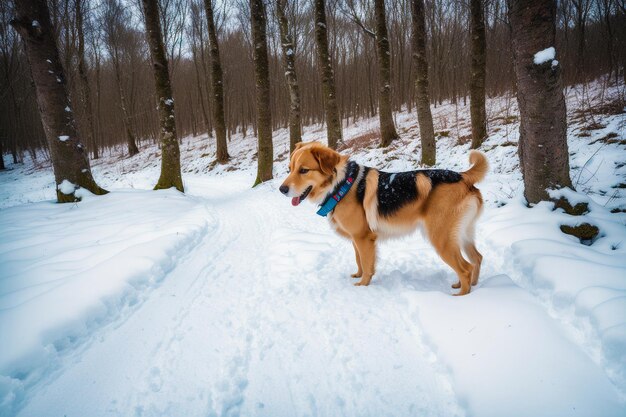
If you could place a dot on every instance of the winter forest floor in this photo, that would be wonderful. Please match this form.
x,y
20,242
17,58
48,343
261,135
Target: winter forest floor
x,y
228,301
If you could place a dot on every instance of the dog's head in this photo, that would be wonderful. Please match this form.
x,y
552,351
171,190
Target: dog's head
x,y
312,170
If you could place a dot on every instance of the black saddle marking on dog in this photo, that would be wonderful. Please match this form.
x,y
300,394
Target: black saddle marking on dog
x,y
360,188
395,190
441,176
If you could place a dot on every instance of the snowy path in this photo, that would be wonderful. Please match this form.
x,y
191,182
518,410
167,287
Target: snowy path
x,y
260,319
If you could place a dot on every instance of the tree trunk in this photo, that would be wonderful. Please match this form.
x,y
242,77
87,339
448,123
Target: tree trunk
x,y
218,87
333,122
130,138
69,160
289,63
385,115
170,160
263,112
544,157
84,82
2,167
477,80
424,116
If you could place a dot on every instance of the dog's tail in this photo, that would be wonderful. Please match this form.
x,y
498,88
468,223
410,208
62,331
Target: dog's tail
x,y
479,168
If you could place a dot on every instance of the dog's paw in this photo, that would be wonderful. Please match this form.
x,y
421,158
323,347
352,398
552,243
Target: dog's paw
x,y
457,285
357,275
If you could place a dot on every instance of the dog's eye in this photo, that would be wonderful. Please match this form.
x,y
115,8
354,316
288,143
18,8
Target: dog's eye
x,y
303,170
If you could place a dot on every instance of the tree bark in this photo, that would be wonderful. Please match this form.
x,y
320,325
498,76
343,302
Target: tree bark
x,y
424,116
265,156
217,86
170,159
289,63
385,113
478,112
543,152
331,108
68,156
84,82
130,138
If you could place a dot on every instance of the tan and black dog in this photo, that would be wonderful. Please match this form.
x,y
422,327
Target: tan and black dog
x,y
383,205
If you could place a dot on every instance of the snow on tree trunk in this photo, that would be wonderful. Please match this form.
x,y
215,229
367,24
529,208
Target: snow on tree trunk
x,y
424,116
68,156
289,63
219,119
544,157
170,159
333,122
478,72
263,107
385,116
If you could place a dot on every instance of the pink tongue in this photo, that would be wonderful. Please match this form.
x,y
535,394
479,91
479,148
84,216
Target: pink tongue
x,y
295,201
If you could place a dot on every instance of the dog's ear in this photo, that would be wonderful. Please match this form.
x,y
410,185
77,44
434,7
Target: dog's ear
x,y
326,158
301,144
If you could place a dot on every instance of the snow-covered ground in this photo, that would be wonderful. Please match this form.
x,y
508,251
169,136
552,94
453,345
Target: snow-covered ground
x,y
228,301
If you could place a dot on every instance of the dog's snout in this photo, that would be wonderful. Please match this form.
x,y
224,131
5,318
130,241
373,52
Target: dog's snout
x,y
283,189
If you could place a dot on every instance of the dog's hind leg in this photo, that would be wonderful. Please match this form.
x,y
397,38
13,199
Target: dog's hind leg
x,y
366,247
359,272
449,251
475,258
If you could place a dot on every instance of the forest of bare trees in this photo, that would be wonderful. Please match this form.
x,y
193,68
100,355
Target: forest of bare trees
x,y
332,62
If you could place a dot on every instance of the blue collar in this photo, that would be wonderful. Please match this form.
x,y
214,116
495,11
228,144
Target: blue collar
x,y
340,191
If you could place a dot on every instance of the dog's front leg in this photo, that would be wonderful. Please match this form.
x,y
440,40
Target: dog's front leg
x,y
359,272
366,248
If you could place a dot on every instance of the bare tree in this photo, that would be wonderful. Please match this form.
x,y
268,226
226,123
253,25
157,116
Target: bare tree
x,y
333,122
478,112
424,116
383,61
85,90
170,159
387,128
115,19
289,62
69,159
217,83
265,156
543,153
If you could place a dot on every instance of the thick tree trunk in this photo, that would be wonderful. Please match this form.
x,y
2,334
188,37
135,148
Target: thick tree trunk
x,y
331,108
84,83
424,116
289,63
263,110
68,156
385,113
544,157
170,160
217,87
477,80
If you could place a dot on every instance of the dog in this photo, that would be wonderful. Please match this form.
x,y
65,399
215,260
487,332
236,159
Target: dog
x,y
364,204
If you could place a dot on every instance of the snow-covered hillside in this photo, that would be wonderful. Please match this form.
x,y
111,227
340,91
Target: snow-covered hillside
x,y
228,301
